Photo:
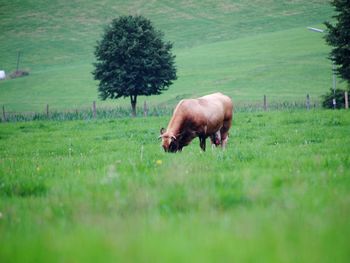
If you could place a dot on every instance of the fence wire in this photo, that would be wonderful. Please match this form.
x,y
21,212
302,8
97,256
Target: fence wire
x,y
145,111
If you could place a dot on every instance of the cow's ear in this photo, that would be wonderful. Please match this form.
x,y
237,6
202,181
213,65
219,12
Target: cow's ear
x,y
173,138
162,130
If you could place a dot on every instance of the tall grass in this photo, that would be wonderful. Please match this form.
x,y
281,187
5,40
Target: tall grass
x,y
103,190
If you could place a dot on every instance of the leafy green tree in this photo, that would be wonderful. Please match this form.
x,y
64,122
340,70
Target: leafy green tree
x,y
338,36
132,60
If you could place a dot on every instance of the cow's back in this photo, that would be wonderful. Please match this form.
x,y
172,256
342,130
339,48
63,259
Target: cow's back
x,y
217,105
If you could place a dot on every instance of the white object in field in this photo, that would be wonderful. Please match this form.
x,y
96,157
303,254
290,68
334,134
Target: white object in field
x,y
315,29
2,74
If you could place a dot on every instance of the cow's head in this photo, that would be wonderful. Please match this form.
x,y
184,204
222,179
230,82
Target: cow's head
x,y
169,141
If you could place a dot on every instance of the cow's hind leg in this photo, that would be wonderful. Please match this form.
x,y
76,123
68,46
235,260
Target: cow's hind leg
x,y
224,132
215,139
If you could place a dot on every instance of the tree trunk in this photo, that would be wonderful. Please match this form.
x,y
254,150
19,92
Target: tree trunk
x,y
133,99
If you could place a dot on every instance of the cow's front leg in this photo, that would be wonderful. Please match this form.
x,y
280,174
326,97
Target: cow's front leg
x,y
202,143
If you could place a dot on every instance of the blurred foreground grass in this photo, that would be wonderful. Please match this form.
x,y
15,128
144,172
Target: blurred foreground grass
x,y
102,190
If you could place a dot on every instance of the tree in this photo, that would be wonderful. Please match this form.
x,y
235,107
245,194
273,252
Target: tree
x,y
338,36
132,60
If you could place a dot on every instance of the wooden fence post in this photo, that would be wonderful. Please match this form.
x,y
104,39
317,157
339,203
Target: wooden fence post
x,y
265,103
308,102
346,100
3,113
94,109
145,109
47,110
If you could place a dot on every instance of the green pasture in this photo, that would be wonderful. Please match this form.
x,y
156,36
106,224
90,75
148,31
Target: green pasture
x,y
243,48
104,191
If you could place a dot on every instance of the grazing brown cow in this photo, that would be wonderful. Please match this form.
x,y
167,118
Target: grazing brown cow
x,y
207,116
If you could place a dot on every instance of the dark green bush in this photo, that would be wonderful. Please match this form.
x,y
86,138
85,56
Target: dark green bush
x,y
327,99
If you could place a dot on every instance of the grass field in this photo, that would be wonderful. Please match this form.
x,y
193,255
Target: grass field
x,y
103,191
244,49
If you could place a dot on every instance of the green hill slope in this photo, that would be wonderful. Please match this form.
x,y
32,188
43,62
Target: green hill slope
x,y
245,49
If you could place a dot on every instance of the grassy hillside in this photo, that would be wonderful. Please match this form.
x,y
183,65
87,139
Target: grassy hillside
x,y
245,49
104,191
